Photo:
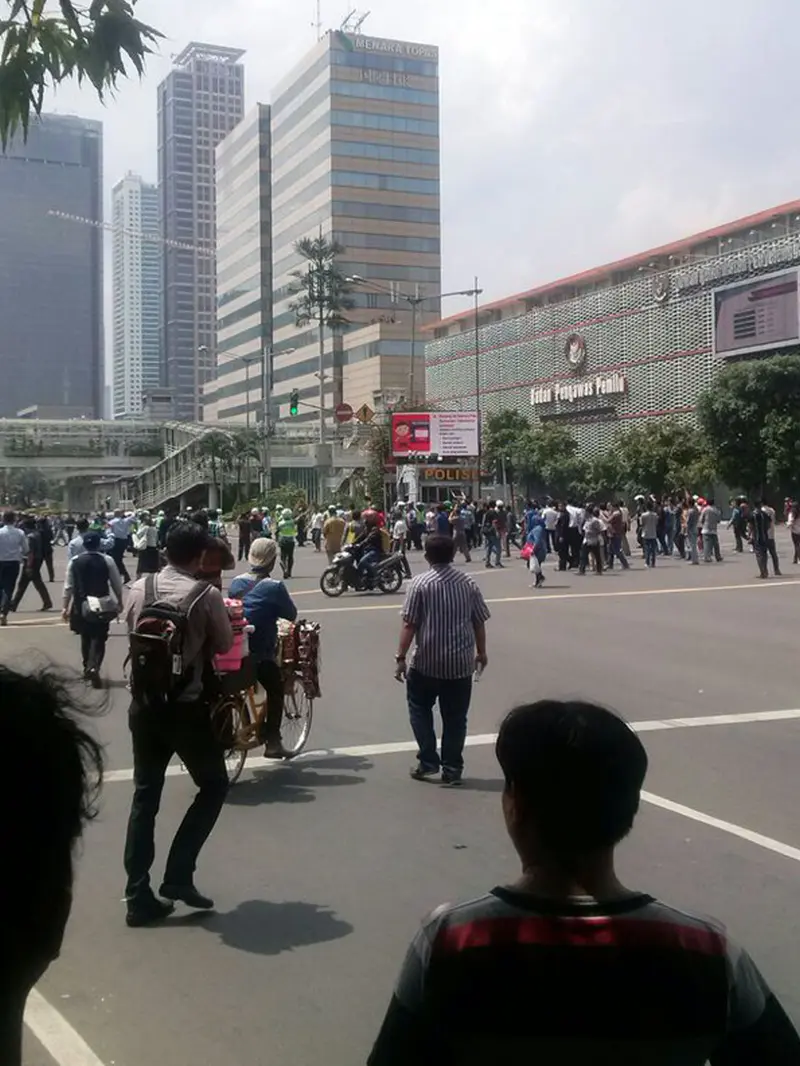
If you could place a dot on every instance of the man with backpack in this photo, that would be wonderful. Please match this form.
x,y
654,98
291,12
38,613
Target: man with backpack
x,y
176,625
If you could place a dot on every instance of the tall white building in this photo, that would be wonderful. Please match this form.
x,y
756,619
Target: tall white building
x,y
137,275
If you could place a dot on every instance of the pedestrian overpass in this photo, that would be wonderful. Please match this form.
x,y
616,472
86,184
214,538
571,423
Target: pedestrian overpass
x,y
158,463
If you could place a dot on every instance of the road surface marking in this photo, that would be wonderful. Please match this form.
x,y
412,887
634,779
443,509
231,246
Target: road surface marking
x,y
726,827
542,596
56,1035
481,740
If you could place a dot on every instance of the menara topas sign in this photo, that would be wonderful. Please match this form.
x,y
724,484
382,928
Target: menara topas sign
x,y
569,391
356,42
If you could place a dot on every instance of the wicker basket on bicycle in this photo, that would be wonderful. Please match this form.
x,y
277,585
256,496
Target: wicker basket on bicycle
x,y
299,655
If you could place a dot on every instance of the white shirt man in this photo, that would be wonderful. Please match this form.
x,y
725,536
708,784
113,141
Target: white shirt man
x,y
550,516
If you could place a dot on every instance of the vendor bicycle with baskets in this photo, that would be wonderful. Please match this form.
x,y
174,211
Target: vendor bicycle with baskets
x,y
265,602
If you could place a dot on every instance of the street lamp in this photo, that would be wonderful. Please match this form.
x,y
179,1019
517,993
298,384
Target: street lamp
x,y
414,301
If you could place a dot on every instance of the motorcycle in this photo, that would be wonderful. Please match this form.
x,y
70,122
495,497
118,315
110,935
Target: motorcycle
x,y
387,575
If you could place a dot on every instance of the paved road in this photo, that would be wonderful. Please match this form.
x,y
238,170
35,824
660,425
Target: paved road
x,y
321,869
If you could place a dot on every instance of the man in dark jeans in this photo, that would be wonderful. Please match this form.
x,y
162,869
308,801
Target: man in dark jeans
x,y
45,530
32,574
445,616
182,727
92,573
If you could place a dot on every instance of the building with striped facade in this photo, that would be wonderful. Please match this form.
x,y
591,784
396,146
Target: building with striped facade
x,y
244,272
355,157
631,341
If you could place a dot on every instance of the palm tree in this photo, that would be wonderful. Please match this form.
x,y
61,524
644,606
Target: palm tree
x,y
322,296
244,447
215,450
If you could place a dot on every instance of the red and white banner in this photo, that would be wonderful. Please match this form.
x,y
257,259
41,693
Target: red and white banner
x,y
449,434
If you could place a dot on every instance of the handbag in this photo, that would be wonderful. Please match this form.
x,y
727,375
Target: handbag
x,y
99,609
527,551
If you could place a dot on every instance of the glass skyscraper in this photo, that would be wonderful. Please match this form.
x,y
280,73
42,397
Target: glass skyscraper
x,y
136,268
355,157
199,102
51,269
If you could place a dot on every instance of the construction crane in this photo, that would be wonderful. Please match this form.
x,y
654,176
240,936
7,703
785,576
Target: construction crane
x,y
153,238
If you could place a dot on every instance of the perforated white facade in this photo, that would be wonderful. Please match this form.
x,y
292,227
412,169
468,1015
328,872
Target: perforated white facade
x,y
639,330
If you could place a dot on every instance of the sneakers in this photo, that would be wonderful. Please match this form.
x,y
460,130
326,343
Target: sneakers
x,y
421,772
451,779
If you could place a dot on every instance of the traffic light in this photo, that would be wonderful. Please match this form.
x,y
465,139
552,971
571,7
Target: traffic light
x,y
294,402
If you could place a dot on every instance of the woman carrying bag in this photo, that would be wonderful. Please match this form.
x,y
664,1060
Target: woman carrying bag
x,y
92,600
145,543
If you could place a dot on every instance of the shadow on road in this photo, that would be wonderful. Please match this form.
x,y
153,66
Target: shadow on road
x,y
297,782
265,928
479,784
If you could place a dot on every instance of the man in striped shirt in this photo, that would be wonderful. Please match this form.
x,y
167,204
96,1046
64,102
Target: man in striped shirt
x,y
445,616
568,966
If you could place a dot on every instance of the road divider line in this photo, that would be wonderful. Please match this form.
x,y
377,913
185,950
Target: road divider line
x,y
543,598
740,831
66,1046
479,740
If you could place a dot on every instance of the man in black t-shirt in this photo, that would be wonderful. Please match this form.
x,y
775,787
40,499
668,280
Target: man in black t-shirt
x,y
32,572
567,965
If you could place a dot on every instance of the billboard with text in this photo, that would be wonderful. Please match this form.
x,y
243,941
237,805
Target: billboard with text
x,y
757,316
449,434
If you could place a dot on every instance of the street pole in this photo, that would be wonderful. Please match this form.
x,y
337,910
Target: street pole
x,y
247,393
476,294
266,402
413,300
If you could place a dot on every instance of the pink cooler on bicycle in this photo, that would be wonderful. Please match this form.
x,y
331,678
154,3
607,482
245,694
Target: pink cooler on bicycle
x,y
230,662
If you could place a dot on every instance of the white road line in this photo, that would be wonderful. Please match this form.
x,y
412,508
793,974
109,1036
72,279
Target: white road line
x,y
56,1035
542,597
726,827
481,740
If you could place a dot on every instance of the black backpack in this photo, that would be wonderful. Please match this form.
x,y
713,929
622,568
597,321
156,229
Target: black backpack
x,y
159,673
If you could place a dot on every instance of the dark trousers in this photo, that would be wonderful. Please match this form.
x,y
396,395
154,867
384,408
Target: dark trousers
x,y
48,562
185,730
563,553
760,552
244,545
737,536
32,577
795,542
453,696
574,539
596,552
271,680
93,644
287,555
118,555
148,561
9,572
773,554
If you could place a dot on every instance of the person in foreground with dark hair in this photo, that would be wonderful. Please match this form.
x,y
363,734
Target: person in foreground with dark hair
x,y
41,822
445,616
567,965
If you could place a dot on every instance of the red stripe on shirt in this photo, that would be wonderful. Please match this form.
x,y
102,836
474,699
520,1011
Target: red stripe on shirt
x,y
589,932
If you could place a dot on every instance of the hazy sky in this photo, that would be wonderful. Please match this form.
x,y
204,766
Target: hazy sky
x,y
573,131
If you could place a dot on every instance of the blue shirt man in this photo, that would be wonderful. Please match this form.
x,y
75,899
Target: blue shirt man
x,y
265,601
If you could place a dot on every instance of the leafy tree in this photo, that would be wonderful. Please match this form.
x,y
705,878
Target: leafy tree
x,y
45,43
751,416
554,452
663,457
322,295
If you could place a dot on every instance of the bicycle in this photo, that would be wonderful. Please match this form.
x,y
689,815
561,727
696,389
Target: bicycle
x,y
239,713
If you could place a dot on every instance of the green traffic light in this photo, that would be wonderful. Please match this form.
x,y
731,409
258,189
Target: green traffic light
x,y
294,402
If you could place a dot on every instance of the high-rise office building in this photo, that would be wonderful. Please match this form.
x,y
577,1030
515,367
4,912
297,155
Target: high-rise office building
x,y
136,291
199,102
244,272
51,268
355,156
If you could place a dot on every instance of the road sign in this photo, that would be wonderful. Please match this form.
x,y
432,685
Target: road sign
x,y
365,413
343,412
